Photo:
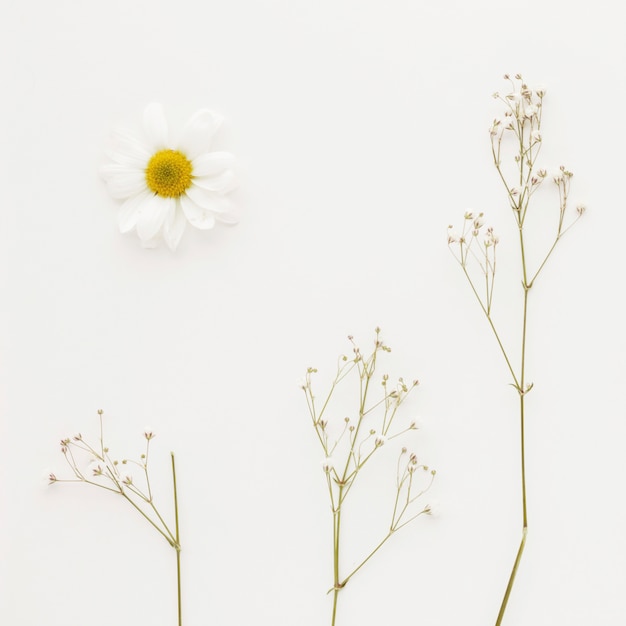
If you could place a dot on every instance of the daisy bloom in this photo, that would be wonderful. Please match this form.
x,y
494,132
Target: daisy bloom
x,y
165,184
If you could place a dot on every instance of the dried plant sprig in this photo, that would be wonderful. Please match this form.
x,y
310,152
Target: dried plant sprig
x,y
347,451
516,140
109,473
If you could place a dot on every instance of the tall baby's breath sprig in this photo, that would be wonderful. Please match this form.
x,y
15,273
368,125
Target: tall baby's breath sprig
x,y
109,473
516,140
350,442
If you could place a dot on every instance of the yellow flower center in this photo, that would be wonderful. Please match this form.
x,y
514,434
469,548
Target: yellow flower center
x,y
168,173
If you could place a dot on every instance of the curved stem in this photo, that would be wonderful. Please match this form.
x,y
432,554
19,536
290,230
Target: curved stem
x,y
177,546
522,391
507,593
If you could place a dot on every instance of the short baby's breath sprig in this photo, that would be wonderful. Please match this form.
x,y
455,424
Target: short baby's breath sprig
x,y
516,140
349,442
106,471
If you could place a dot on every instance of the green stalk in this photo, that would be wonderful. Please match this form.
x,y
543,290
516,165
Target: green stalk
x,y
336,535
368,371
522,391
177,546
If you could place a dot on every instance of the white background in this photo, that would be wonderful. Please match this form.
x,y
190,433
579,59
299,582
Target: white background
x,y
361,133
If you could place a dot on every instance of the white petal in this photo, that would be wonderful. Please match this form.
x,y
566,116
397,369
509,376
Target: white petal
x,y
197,216
197,134
151,215
110,170
174,227
150,243
223,183
212,163
207,199
226,218
155,125
125,184
128,149
129,211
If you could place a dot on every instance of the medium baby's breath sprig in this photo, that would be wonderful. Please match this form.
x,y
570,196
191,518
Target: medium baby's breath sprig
x,y
109,473
350,442
516,140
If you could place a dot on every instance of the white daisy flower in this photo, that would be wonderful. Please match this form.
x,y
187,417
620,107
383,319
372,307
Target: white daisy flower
x,y
165,184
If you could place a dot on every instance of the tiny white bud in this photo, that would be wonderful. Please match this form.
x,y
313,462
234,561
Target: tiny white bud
x,y
530,111
49,477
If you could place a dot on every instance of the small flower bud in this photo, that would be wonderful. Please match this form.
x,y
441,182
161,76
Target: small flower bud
x,y
530,111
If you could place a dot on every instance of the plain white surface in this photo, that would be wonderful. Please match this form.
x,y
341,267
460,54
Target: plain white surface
x,y
361,133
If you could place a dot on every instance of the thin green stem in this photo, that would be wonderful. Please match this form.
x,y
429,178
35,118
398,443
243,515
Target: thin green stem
x,y
167,538
523,461
522,391
177,546
365,560
509,587
493,328
336,537
335,598
165,526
